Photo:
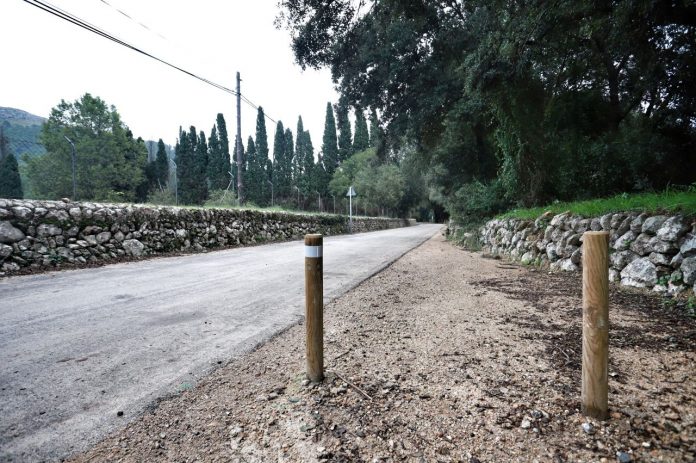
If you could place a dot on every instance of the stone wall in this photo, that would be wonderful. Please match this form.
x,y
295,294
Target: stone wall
x,y
656,252
37,235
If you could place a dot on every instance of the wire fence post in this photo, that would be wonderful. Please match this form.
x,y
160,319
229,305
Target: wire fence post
x,y
314,307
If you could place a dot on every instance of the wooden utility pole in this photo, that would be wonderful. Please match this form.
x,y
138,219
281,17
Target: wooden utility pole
x,y
238,148
595,324
314,308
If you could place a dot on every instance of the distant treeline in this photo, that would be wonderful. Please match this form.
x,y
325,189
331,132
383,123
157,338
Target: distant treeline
x,y
112,165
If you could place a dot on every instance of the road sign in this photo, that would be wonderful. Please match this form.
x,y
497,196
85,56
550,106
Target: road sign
x,y
351,192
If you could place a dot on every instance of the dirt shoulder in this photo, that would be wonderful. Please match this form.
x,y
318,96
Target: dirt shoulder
x,y
444,356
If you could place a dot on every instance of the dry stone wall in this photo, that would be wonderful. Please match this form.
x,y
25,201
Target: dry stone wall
x,y
656,252
48,234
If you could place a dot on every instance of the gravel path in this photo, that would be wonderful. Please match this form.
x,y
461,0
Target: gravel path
x,y
444,356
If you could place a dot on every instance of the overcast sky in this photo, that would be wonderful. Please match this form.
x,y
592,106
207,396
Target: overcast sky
x,y
45,58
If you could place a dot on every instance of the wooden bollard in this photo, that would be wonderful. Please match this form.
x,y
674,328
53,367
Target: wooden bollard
x,y
595,324
314,307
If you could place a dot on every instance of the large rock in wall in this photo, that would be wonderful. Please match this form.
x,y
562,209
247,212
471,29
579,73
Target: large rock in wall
x,y
49,234
656,252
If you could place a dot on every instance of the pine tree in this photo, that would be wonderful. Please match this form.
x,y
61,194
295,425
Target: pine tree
x,y
375,129
362,138
345,137
10,182
161,165
329,146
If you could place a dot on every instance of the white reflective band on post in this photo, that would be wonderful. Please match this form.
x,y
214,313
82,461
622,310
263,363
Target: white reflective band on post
x,y
313,251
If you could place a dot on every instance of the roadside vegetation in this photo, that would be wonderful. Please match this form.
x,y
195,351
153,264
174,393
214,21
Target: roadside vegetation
x,y
464,110
516,105
668,202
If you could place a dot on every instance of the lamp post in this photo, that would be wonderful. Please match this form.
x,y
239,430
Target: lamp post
x,y
350,194
74,181
298,196
319,196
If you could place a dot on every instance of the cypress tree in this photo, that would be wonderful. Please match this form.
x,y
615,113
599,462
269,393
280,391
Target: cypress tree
x,y
214,159
185,168
281,168
345,137
234,167
298,159
201,168
264,166
161,165
362,138
253,174
10,182
290,159
329,146
219,159
4,144
308,180
375,129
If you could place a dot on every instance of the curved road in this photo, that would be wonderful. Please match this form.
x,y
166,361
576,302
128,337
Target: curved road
x,y
77,347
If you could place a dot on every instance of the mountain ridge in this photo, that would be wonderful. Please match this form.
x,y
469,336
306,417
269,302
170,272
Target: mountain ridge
x,y
17,116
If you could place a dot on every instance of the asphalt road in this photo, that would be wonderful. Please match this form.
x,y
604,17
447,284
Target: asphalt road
x,y
77,347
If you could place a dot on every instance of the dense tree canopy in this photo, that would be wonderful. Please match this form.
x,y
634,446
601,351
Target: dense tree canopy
x,y
110,163
521,102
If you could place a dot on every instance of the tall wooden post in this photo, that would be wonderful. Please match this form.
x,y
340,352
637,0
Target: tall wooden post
x,y
238,145
314,308
595,324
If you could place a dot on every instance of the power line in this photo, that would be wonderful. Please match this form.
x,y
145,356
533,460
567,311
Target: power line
x,y
62,14
132,19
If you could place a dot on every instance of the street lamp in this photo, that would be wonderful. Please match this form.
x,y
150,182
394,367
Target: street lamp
x,y
74,182
319,195
350,194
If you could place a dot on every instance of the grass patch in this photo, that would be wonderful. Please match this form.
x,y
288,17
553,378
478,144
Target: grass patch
x,y
668,202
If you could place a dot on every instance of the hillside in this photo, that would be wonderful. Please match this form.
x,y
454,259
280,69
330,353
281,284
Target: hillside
x,y
22,129
19,117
